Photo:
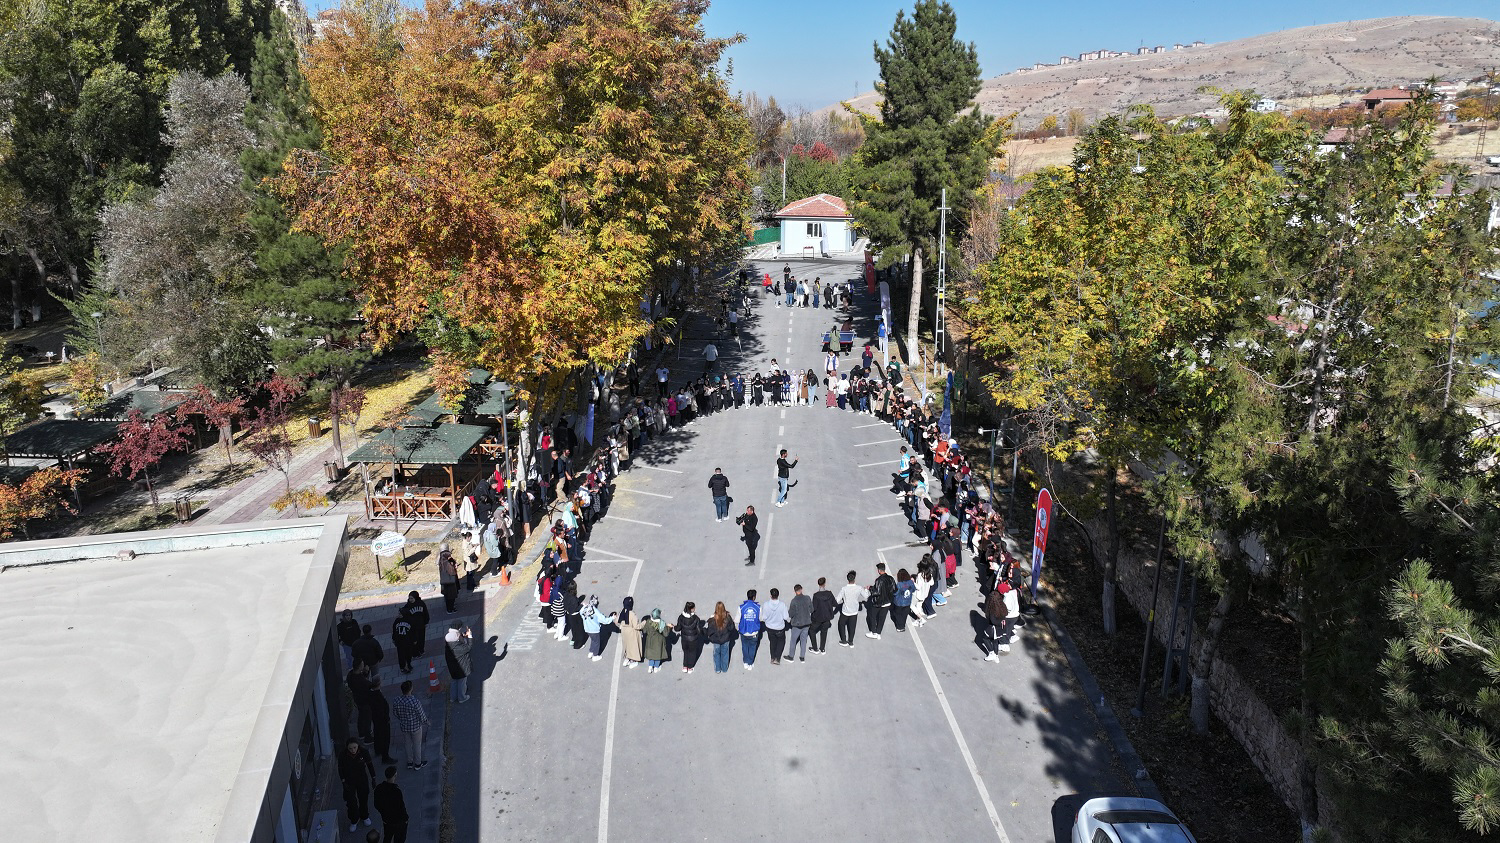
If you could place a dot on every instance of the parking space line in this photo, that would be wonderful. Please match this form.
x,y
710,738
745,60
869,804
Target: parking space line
x,y
765,546
873,464
640,492
886,515
958,735
655,468
609,730
873,488
875,424
631,520
881,442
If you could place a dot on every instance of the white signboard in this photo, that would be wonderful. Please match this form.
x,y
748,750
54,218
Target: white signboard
x,y
387,543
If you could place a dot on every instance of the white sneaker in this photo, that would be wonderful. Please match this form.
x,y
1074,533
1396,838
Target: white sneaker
x,y
992,658
595,658
367,822
631,664
872,635
749,667
1005,648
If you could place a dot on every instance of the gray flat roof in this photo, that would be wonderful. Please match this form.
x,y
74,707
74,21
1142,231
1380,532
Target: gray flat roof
x,y
146,698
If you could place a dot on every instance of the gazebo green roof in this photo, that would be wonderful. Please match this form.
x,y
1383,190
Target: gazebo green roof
x,y
60,439
478,401
14,475
150,402
444,444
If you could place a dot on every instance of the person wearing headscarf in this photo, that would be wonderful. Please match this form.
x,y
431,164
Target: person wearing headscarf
x,y
630,624
656,641
448,578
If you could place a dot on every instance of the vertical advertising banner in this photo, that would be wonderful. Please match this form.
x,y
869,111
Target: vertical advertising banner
x,y
1039,537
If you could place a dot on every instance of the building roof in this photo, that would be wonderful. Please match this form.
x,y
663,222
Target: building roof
x,y
147,698
15,475
1388,94
444,444
60,439
150,402
1339,134
478,401
822,206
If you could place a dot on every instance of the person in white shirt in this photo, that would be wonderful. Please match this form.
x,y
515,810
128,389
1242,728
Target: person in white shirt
x,y
710,357
662,374
773,618
849,598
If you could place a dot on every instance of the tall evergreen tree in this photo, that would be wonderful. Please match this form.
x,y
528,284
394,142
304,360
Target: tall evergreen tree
x,y
930,136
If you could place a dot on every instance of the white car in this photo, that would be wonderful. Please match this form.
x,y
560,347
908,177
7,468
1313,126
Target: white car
x,y
1128,819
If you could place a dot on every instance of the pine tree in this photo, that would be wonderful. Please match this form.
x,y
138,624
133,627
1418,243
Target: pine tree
x,y
930,136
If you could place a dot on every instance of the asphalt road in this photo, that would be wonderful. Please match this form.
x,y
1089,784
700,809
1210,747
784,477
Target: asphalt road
x,y
911,737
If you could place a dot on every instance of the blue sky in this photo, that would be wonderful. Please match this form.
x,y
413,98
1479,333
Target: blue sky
x,y
813,53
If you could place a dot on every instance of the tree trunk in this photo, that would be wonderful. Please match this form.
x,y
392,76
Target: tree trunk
x,y
338,440
1307,778
226,436
1200,708
1111,551
914,311
150,489
41,278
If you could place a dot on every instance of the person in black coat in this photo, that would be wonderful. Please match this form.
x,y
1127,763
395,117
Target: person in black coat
x,y
367,649
403,637
380,717
825,609
690,632
348,632
357,772
392,807
358,681
415,611
748,522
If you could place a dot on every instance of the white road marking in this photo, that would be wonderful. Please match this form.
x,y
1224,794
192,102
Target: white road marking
x,y
609,730
765,552
640,492
873,488
781,430
899,546
616,557
783,413
875,424
887,515
655,468
631,520
873,464
881,442
958,735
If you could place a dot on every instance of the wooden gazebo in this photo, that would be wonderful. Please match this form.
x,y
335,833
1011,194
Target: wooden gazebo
x,y
72,443
432,467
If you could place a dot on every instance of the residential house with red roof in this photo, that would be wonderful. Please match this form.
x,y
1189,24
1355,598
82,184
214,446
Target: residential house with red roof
x,y
816,226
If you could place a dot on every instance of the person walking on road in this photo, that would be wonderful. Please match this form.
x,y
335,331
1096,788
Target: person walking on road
x,y
710,357
356,773
721,634
773,619
749,629
662,375
690,632
412,719
848,599
457,645
882,592
630,624
799,618
783,477
392,807
748,523
719,485
824,609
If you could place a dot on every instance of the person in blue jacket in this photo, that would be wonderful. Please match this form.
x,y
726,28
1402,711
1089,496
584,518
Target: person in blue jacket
x,y
749,629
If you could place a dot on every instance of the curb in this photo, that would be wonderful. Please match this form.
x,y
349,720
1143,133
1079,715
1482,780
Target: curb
x,y
1102,710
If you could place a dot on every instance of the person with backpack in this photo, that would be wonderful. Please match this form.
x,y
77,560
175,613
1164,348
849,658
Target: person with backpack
x,y
749,629
849,598
882,592
690,632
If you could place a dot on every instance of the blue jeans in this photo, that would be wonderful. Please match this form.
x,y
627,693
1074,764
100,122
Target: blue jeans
x,y
781,487
748,645
721,656
460,688
721,505
653,662
815,299
789,299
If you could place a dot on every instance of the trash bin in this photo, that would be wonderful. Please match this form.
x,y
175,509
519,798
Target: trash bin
x,y
314,426
332,470
183,507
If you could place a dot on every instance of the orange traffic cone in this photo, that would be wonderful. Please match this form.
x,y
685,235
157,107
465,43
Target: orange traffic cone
x,y
505,576
432,681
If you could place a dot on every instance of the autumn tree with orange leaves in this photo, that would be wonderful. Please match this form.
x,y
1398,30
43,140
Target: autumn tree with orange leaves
x,y
514,178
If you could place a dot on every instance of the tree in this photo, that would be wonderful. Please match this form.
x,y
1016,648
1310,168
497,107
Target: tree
x,y
142,444
220,414
344,403
268,439
42,493
929,136
86,379
20,401
1047,128
539,169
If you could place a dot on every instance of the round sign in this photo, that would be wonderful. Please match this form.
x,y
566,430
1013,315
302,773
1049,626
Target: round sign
x,y
387,543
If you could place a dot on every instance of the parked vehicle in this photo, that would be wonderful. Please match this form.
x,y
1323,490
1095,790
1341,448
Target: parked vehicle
x,y
1128,819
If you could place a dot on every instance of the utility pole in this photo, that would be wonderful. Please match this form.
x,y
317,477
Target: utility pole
x,y
783,181
939,321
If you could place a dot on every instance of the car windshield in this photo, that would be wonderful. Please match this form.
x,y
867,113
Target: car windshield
x,y
1117,817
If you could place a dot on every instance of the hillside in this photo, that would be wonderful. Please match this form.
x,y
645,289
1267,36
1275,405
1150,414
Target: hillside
x,y
1292,63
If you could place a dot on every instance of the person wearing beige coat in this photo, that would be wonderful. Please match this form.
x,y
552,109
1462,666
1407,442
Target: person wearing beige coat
x,y
630,624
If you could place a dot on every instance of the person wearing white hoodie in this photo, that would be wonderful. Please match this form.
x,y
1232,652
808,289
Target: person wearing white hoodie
x,y
457,645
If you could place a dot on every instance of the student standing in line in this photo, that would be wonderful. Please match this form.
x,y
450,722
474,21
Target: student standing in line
x,y
799,618
367,649
392,807
721,634
748,523
926,584
457,644
773,619
448,578
412,719
356,772
783,477
882,592
824,610
630,624
749,629
849,598
572,616
901,603
380,717
655,647
348,633
404,640
690,632
358,680
593,622
557,607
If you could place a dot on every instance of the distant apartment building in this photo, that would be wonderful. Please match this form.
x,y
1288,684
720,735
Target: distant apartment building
x,y
1265,105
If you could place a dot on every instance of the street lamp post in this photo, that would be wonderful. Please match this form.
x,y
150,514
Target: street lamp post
x,y
503,390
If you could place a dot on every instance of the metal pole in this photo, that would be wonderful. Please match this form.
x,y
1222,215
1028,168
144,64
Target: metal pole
x,y
1140,692
1015,470
783,181
994,434
1166,671
942,286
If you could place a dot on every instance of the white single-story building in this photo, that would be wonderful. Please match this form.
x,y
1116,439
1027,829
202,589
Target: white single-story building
x,y
815,226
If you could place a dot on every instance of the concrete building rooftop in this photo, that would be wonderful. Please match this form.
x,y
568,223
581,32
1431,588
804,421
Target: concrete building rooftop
x,y
145,698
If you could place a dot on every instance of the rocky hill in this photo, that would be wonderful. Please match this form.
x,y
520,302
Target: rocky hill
x,y
1293,63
